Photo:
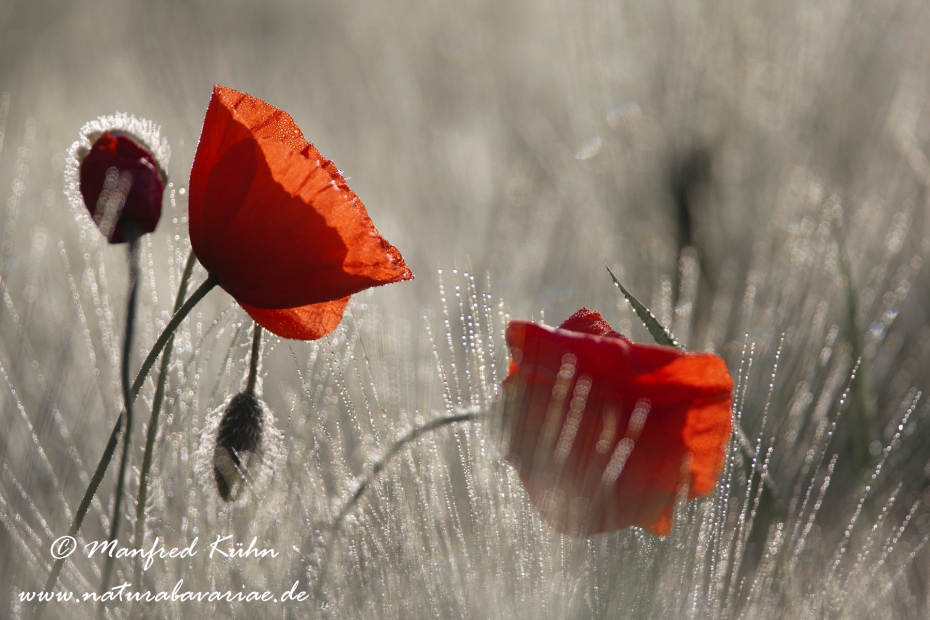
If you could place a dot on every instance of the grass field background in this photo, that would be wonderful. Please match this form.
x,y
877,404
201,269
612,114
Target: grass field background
x,y
755,172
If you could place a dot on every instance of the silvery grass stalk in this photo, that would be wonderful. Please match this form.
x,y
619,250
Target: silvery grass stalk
x,y
449,525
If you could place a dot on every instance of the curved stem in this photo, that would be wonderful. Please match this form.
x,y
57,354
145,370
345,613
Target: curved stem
x,y
156,410
172,325
84,506
179,316
379,465
377,468
256,356
127,402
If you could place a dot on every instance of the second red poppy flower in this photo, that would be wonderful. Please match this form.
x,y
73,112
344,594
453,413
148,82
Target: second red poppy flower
x,y
604,431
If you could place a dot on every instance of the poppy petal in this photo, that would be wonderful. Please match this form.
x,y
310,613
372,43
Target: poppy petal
x,y
272,219
604,432
264,121
588,322
304,323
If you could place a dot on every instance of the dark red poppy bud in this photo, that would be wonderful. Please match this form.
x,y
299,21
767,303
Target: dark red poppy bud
x,y
122,187
116,171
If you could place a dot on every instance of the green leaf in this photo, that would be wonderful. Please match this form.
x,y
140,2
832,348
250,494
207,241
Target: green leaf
x,y
659,332
863,428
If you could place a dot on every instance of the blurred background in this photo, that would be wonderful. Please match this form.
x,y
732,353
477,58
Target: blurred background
x,y
534,140
752,171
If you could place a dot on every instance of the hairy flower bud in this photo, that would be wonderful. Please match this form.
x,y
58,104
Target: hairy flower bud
x,y
121,187
238,438
116,171
239,447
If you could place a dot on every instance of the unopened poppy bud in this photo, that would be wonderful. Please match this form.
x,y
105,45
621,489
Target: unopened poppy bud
x,y
238,438
117,172
122,187
239,447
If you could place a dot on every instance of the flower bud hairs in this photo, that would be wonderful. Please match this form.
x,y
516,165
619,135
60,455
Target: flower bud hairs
x,y
116,171
240,443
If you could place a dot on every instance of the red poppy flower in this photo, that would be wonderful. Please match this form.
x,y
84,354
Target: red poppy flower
x,y
121,186
275,222
604,431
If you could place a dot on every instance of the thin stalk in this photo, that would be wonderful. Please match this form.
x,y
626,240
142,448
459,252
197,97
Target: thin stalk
x,y
127,402
172,325
107,456
253,362
377,468
379,465
84,506
156,410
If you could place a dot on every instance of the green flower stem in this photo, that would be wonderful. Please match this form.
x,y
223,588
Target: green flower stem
x,y
172,325
377,468
160,344
379,465
256,355
127,402
156,410
84,506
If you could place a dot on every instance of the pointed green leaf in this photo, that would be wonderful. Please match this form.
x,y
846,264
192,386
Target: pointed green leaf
x,y
863,429
659,332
